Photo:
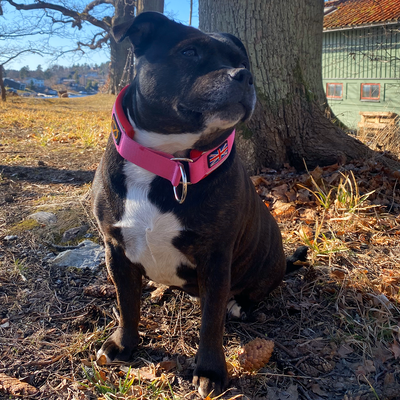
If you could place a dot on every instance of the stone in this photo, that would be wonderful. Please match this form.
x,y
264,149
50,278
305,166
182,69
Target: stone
x,y
44,217
10,237
73,233
87,255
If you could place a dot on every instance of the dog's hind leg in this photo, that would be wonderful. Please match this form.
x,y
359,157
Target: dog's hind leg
x,y
127,278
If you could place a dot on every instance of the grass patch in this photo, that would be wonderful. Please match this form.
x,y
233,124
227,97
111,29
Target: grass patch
x,y
84,121
25,225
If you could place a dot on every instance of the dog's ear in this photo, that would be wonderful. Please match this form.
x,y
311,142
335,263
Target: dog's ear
x,y
140,30
227,36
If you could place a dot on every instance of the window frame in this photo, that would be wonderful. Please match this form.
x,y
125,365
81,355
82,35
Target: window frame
x,y
334,97
370,98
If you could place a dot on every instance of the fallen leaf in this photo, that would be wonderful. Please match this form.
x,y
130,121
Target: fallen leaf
x,y
102,360
317,174
396,349
167,365
317,390
279,192
146,373
366,368
283,209
303,196
257,180
389,379
381,353
338,273
344,350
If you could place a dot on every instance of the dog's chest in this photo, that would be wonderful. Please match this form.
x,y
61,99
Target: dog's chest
x,y
148,233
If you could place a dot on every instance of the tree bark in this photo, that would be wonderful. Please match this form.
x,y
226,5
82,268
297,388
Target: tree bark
x,y
284,43
3,89
122,62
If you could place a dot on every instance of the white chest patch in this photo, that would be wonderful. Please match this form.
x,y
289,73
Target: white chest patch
x,y
148,233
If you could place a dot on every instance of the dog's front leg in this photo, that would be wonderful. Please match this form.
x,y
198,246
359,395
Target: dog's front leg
x,y
127,279
211,373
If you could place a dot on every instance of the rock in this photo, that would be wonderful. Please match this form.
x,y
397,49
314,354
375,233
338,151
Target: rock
x,y
43,217
10,237
87,255
73,233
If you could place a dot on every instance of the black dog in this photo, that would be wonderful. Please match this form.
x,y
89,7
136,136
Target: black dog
x,y
214,239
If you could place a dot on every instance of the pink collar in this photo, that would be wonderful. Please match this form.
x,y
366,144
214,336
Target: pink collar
x,y
164,164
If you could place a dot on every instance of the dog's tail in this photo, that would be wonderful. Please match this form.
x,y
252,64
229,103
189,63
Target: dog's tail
x,y
297,260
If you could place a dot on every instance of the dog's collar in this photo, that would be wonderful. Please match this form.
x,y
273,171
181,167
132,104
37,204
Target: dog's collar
x,y
164,164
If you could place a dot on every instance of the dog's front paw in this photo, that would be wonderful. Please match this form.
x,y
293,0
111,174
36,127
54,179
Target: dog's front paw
x,y
210,380
118,347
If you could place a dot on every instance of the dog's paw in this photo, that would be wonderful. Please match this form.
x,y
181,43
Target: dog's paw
x,y
235,312
210,381
118,347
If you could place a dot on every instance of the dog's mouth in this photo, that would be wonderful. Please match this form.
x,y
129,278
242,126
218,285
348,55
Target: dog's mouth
x,y
239,108
188,112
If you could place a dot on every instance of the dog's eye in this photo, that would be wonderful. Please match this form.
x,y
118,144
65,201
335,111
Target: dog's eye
x,y
189,52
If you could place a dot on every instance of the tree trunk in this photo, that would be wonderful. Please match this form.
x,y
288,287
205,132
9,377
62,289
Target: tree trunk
x,y
122,63
3,89
284,43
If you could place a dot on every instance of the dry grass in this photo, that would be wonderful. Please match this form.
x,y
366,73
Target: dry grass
x,y
386,139
335,323
84,121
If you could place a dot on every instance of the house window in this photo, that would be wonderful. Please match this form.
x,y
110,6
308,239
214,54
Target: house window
x,y
334,90
370,91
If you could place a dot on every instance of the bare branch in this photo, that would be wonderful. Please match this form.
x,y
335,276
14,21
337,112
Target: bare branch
x,y
33,51
95,44
95,3
77,17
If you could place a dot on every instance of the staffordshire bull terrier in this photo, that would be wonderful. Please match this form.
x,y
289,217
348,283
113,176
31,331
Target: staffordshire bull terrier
x,y
171,197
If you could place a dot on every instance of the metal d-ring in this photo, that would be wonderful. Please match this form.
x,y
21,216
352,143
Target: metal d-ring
x,y
184,186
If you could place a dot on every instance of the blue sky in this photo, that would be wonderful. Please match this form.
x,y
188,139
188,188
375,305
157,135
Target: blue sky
x,y
179,9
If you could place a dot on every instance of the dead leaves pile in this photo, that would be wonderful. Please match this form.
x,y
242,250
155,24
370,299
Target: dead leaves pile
x,y
345,213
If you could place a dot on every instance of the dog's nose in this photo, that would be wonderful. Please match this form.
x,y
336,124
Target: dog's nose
x,y
241,75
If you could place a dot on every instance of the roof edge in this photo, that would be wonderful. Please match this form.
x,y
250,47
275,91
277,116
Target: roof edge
x,y
351,27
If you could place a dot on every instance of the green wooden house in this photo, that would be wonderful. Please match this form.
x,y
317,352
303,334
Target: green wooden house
x,y
361,59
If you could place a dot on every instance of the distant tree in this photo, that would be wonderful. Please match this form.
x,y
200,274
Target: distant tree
x,y
102,15
23,72
39,72
47,74
76,77
7,55
89,85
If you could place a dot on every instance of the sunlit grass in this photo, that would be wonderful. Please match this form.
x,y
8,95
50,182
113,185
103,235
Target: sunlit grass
x,y
84,121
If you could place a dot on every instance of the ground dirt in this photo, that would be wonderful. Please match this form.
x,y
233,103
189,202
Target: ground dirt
x,y
335,323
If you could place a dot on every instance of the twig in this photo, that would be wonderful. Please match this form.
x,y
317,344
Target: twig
x,y
58,247
304,393
44,363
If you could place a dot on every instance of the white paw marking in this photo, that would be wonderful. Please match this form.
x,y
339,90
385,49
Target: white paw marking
x,y
233,309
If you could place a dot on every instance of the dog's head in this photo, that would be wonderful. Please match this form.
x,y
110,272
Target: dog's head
x,y
187,81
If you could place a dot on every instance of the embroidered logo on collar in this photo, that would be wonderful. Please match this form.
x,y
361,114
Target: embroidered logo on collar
x,y
115,130
162,164
218,155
